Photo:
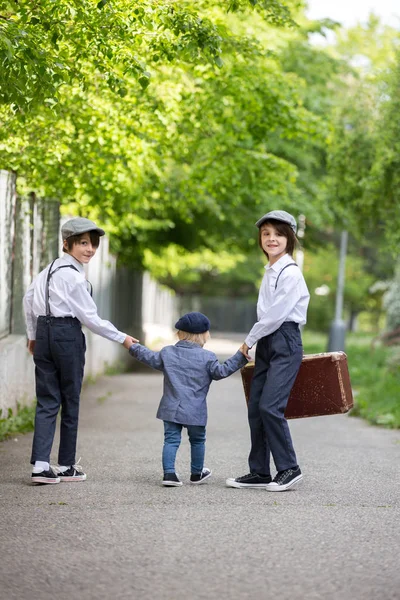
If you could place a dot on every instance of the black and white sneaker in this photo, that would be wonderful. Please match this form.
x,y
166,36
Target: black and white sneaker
x,y
45,477
251,480
199,478
171,480
74,473
284,480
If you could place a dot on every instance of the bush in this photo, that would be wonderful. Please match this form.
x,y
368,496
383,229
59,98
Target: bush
x,y
392,302
374,375
22,421
379,402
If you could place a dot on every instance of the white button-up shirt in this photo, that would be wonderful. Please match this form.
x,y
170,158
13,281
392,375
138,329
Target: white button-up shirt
x,y
288,302
69,297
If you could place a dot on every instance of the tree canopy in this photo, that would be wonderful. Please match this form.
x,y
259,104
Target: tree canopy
x,y
177,124
189,159
45,45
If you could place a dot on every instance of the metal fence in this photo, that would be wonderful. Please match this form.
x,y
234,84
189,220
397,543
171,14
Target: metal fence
x,y
236,315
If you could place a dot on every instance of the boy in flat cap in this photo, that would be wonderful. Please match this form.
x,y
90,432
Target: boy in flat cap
x,y
281,310
188,372
55,305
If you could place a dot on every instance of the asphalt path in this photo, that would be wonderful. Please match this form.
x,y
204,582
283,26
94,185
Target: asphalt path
x,y
121,535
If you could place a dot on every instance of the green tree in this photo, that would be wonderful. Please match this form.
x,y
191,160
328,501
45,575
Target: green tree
x,y
320,271
365,130
188,161
45,45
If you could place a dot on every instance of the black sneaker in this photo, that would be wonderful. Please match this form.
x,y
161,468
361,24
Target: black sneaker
x,y
252,480
198,478
45,477
171,479
74,473
284,480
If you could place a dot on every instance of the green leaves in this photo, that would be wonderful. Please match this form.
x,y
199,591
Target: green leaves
x,y
364,173
169,124
144,80
273,11
36,37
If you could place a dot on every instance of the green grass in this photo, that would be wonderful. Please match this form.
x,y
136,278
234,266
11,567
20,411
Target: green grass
x,y
376,386
20,421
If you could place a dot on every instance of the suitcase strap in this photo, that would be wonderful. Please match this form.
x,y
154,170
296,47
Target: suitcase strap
x,y
285,267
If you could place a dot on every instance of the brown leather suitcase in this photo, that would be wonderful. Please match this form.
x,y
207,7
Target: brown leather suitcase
x,y
322,386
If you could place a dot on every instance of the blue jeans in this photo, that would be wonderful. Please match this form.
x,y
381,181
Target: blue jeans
x,y
172,441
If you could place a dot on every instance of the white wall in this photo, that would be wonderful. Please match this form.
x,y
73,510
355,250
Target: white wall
x,y
159,311
17,374
102,353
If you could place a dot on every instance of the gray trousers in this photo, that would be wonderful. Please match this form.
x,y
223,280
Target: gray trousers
x,y
278,359
59,362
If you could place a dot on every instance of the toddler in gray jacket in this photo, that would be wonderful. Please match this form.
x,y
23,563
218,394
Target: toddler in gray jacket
x,y
188,372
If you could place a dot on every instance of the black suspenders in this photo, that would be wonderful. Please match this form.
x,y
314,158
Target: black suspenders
x,y
285,267
50,274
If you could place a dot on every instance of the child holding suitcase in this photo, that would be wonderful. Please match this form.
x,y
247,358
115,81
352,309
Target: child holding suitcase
x,y
55,305
188,372
281,309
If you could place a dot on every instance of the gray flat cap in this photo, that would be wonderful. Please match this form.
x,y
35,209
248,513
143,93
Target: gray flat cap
x,y
279,215
79,225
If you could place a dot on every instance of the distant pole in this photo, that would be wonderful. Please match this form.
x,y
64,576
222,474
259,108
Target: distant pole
x,y
338,327
299,254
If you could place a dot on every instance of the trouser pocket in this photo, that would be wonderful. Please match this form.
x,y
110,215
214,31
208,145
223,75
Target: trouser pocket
x,y
293,340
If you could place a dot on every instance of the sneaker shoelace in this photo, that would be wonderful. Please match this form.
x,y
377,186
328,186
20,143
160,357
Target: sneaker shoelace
x,y
77,466
280,478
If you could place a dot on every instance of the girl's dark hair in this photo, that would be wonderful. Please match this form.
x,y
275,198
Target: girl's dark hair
x,y
75,239
282,229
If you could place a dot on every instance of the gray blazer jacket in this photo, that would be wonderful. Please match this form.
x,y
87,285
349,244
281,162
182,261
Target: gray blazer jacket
x,y
188,371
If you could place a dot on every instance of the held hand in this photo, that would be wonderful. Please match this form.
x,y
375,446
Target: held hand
x,y
244,349
31,346
129,340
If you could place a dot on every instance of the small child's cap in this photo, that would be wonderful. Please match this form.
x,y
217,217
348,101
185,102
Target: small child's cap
x,y
79,225
193,322
279,215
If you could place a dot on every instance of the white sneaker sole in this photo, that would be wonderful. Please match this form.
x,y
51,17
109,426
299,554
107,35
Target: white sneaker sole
x,y
70,479
273,487
255,486
172,483
201,480
45,480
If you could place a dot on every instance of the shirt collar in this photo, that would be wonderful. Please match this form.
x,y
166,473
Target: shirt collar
x,y
278,266
187,344
72,261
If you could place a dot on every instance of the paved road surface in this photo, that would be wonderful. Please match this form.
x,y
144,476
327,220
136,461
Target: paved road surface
x,y
121,535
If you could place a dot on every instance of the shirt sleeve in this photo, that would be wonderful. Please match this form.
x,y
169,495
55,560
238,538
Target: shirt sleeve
x,y
146,356
85,310
30,318
220,371
287,296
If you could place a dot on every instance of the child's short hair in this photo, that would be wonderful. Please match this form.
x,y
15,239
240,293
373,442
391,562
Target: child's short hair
x,y
75,239
282,229
197,338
